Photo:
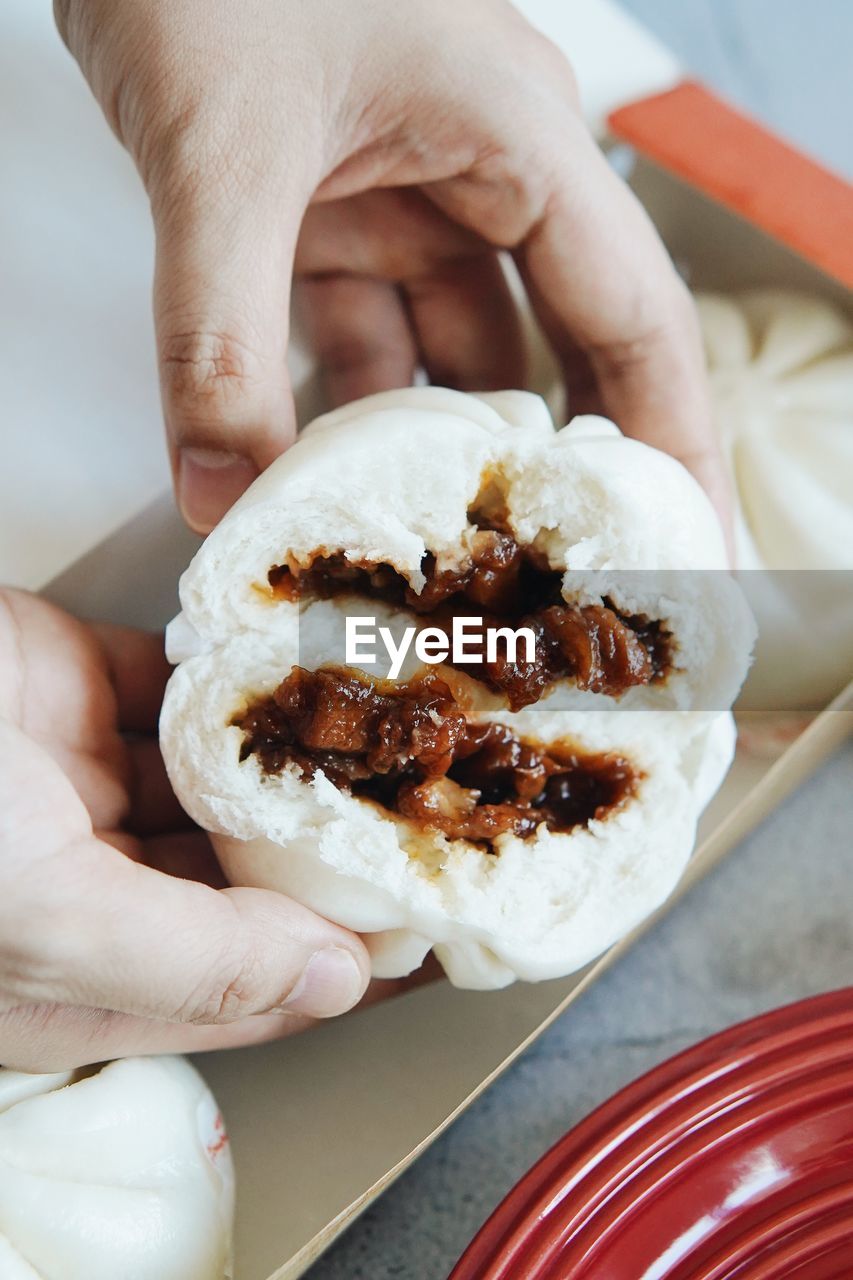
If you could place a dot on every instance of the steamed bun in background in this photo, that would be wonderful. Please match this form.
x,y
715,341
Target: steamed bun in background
x,y
121,1174
781,367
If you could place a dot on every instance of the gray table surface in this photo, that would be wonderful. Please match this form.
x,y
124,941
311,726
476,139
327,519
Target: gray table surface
x,y
775,922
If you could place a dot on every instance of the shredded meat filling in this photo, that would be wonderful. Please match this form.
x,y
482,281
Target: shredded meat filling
x,y
408,747
602,649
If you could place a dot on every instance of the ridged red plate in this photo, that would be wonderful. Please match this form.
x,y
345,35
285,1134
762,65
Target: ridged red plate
x,y
731,1161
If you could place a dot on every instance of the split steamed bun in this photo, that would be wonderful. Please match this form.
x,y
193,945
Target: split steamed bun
x,y
404,480
124,1172
781,366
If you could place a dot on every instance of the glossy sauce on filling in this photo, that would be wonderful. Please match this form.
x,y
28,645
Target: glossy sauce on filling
x,y
603,650
408,747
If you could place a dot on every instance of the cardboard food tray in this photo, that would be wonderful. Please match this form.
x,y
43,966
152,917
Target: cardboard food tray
x,y
322,1123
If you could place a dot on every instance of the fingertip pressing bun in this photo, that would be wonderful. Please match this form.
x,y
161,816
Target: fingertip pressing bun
x,y
397,489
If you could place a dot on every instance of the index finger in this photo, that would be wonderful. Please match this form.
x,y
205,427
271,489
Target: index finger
x,y
601,281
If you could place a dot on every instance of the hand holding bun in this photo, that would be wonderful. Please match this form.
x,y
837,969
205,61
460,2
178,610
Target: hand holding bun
x,y
123,1173
118,935
359,155
517,826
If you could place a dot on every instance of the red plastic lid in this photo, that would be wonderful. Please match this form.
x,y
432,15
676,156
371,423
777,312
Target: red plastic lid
x,y
731,1161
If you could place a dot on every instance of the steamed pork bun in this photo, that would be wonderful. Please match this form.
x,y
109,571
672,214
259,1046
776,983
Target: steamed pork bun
x,y
516,817
122,1173
781,366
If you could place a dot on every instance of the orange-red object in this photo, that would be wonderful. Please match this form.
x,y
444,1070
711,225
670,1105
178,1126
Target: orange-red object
x,y
696,136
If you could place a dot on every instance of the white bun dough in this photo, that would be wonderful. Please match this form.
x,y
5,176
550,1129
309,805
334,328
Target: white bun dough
x,y
122,1173
781,366
388,479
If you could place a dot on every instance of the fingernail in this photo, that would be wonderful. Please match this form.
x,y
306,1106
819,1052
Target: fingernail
x,y
209,482
330,983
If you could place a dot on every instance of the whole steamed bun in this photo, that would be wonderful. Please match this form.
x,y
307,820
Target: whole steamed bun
x,y
389,480
124,1172
781,366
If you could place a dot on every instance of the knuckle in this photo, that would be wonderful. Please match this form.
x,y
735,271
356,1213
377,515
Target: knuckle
x,y
663,321
524,40
508,194
626,355
199,149
205,360
205,372
175,153
230,998
553,61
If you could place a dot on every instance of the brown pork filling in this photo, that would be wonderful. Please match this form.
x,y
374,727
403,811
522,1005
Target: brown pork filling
x,y
409,748
604,650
